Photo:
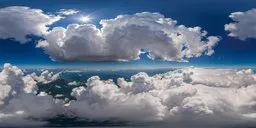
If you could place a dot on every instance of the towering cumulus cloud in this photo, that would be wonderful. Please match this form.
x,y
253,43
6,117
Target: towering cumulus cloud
x,y
126,37
18,22
244,25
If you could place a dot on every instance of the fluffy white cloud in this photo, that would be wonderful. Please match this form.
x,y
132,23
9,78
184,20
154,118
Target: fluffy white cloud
x,y
194,95
17,22
189,96
11,82
244,25
74,83
68,12
18,99
45,77
121,39
126,37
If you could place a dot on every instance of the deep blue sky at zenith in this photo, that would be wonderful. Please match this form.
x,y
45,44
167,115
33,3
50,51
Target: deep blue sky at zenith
x,y
211,15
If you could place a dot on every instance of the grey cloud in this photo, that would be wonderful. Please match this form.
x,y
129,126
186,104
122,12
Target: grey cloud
x,y
244,25
17,22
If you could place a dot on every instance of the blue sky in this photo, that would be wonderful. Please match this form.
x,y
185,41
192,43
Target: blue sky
x,y
211,15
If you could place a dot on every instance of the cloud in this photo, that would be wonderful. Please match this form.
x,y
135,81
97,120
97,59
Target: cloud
x,y
191,96
127,37
121,39
73,83
68,12
45,77
18,100
244,25
17,22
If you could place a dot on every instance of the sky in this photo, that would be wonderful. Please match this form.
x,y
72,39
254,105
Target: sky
x,y
210,15
128,34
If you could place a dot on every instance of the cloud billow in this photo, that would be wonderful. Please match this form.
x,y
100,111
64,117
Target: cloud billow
x,y
127,37
189,96
123,38
215,97
18,98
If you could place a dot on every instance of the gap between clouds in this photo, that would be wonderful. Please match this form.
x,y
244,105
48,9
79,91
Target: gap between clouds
x,y
123,38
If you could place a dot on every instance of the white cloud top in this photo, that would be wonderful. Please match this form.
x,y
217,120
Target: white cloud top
x,y
201,96
18,99
126,37
17,22
244,25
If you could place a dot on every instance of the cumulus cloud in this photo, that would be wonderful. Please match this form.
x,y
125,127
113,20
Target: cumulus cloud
x,y
18,100
244,25
17,22
127,37
193,95
121,39
68,12
45,77
189,96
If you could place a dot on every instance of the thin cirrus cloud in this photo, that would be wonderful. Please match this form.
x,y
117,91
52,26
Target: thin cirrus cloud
x,y
68,12
123,38
191,97
244,25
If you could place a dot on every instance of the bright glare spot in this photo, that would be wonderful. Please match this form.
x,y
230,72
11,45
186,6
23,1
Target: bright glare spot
x,y
85,19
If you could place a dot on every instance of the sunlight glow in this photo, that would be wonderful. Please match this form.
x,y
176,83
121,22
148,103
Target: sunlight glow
x,y
85,19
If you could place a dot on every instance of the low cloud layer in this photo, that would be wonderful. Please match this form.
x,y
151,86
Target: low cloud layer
x,y
126,37
244,25
193,95
189,96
